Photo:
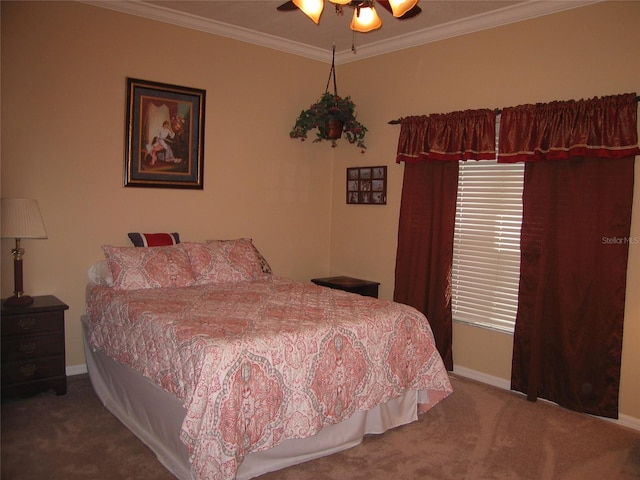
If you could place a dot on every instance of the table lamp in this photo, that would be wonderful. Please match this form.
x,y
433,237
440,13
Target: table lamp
x,y
20,219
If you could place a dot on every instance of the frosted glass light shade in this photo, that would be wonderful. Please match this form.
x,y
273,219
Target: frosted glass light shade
x,y
400,7
366,21
311,8
21,219
341,2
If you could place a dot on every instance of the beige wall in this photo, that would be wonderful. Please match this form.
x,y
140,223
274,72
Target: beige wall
x,y
64,67
582,53
63,98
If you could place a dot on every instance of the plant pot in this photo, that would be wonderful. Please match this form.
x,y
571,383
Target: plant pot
x,y
334,128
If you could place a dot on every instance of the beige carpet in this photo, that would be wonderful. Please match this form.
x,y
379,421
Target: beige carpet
x,y
479,432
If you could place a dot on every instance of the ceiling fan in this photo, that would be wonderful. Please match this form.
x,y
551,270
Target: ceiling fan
x,y
365,17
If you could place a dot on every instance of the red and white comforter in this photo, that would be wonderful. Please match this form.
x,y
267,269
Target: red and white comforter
x,y
259,362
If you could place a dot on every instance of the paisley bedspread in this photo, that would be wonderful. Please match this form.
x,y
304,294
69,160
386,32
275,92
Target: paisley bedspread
x,y
259,362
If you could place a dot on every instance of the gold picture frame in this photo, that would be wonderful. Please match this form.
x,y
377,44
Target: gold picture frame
x,y
164,135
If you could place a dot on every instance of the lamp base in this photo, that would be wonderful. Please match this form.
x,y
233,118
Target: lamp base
x,y
21,301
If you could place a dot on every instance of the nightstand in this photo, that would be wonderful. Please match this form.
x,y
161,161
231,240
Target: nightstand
x,y
33,356
349,284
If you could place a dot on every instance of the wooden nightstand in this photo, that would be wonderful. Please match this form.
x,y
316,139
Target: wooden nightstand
x,y
33,356
348,284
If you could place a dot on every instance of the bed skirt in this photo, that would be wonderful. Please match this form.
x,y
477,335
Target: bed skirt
x,y
155,416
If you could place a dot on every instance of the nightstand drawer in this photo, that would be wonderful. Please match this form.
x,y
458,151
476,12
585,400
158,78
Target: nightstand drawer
x,y
32,323
34,369
32,346
33,349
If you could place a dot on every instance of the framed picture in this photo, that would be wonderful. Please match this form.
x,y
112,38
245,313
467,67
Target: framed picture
x,y
367,185
164,135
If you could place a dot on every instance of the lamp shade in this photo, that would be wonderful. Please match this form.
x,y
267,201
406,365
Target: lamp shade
x,y
400,7
21,219
311,8
365,19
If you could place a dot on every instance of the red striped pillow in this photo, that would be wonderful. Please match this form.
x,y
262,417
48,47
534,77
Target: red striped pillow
x,y
154,239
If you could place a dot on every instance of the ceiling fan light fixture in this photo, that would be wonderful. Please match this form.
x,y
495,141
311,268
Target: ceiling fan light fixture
x,y
340,2
400,7
311,8
365,19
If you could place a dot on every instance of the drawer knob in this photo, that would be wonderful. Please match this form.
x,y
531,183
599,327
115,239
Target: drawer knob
x,y
28,347
27,323
28,370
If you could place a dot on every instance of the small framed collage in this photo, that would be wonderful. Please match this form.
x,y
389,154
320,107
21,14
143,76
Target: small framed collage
x,y
367,185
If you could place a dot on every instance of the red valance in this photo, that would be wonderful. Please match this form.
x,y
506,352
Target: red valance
x,y
467,135
600,127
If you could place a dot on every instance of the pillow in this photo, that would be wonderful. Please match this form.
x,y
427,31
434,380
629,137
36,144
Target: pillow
x,y
219,262
100,274
135,268
153,239
264,265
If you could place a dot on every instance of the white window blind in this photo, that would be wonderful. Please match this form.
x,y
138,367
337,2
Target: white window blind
x,y
486,252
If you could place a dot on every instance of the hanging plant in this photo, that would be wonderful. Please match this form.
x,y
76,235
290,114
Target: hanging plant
x,y
332,116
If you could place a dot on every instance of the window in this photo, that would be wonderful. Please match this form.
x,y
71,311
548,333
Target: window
x,y
486,252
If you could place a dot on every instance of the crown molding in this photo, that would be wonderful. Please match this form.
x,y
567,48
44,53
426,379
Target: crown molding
x,y
512,14
495,18
193,22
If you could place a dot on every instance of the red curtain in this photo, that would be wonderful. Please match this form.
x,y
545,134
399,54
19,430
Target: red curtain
x,y
577,203
425,246
468,135
431,148
600,127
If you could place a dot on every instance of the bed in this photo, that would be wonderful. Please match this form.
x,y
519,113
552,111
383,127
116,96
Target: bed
x,y
226,370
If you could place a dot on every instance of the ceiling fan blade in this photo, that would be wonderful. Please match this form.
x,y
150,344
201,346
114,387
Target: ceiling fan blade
x,y
385,4
410,14
287,7
290,6
416,10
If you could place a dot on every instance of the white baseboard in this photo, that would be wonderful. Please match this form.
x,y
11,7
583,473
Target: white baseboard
x,y
76,369
482,377
627,421
623,420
